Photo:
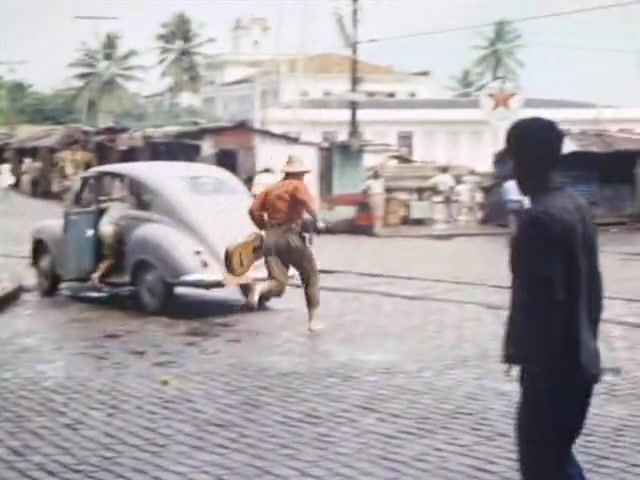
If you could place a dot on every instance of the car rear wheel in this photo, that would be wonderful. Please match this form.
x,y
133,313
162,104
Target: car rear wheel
x,y
154,293
245,289
48,279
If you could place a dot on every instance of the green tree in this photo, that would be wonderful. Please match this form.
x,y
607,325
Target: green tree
x,y
498,53
135,115
104,74
466,84
21,103
50,108
181,55
14,96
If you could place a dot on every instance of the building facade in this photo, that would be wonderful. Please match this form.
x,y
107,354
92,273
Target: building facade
x,y
445,131
308,97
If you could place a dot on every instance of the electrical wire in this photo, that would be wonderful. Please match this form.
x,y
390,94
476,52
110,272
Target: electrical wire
x,y
530,18
624,51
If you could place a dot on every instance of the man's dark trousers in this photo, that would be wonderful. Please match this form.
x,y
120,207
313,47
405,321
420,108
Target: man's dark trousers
x,y
553,409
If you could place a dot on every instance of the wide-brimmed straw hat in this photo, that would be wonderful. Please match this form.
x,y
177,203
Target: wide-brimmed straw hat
x,y
295,164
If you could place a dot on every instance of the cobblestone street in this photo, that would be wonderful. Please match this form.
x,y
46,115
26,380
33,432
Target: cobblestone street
x,y
404,383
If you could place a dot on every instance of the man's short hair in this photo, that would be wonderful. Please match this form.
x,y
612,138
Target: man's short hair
x,y
535,139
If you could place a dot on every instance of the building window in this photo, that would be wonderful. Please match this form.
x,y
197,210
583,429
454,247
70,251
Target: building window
x,y
326,93
329,137
412,94
304,93
391,95
405,143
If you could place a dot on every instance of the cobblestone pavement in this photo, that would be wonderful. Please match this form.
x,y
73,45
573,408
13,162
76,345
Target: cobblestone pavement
x,y
397,386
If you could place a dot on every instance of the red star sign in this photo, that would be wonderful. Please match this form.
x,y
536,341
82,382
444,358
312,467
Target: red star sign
x,y
501,99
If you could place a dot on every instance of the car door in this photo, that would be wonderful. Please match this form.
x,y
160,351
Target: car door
x,y
80,245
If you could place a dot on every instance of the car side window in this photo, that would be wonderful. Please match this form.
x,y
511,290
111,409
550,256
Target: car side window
x,y
144,196
87,194
112,186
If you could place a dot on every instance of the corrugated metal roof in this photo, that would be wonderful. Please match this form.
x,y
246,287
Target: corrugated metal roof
x,y
604,141
54,137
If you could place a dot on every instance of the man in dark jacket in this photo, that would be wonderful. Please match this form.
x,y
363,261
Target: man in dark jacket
x,y
556,304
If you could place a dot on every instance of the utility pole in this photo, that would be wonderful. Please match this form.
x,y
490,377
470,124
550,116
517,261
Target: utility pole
x,y
97,19
6,100
354,129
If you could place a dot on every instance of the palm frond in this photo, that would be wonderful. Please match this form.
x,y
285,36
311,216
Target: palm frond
x,y
180,52
103,74
498,51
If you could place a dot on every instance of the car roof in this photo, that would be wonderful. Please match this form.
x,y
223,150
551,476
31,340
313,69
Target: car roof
x,y
161,173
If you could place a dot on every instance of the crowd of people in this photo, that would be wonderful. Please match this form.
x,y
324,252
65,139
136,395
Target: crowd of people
x,y
455,199
47,172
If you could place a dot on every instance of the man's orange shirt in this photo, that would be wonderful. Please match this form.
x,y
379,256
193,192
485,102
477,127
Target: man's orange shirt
x,y
282,204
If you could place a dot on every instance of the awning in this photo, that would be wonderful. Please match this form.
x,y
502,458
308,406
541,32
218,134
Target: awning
x,y
602,141
55,137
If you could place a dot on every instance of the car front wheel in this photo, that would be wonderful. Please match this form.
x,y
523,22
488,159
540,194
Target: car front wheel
x,y
48,279
154,293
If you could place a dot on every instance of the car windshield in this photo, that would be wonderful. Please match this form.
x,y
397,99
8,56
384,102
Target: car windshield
x,y
207,185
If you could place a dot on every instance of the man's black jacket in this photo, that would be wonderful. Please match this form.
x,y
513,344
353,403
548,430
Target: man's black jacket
x,y
556,295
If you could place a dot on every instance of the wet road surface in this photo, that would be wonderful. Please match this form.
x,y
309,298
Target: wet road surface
x,y
405,382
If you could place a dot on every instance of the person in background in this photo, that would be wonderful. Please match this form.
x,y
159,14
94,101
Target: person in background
x,y
6,178
515,203
464,197
12,158
70,163
279,211
26,175
556,306
477,195
375,190
444,184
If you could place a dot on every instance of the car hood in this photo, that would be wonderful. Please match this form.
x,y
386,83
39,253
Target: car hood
x,y
221,220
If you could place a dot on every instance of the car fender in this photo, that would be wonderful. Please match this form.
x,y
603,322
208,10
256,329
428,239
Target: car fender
x,y
168,248
48,233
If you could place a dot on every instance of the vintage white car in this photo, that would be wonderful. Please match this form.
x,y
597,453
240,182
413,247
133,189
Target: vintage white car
x,y
187,214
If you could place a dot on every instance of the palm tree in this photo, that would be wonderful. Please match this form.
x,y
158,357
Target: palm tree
x,y
499,53
465,85
103,76
181,55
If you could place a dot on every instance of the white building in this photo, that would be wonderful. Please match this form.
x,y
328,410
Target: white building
x,y
447,131
308,97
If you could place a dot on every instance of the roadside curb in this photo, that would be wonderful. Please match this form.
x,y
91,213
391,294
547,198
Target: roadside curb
x,y
9,294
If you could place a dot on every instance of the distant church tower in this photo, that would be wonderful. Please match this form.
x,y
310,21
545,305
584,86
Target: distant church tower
x,y
250,36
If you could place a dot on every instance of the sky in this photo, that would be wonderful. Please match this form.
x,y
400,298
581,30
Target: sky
x,y
592,56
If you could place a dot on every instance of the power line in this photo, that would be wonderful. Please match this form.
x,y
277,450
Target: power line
x,y
626,51
531,18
